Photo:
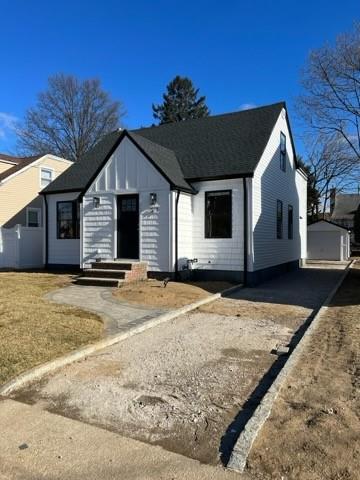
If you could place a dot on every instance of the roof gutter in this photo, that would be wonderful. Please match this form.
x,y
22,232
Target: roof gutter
x,y
54,192
177,235
46,232
246,228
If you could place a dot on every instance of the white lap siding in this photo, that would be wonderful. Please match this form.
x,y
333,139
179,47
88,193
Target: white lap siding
x,y
185,226
98,228
270,184
218,253
301,184
127,172
61,251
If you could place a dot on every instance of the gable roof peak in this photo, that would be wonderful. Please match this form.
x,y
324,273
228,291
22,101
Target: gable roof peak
x,y
228,145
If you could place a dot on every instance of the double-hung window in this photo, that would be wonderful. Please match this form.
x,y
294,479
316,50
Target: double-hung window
x,y
279,219
282,151
218,214
46,177
33,217
68,220
290,222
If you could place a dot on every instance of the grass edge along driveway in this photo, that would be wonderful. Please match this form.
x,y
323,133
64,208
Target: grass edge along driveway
x,y
34,330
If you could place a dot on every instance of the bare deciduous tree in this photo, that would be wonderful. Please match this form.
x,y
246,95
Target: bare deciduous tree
x,y
331,81
330,165
69,118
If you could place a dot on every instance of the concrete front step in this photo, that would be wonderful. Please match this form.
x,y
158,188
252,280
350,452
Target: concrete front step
x,y
127,275
106,273
99,282
119,265
113,273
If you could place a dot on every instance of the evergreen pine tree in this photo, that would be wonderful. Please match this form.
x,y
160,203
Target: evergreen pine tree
x,y
181,102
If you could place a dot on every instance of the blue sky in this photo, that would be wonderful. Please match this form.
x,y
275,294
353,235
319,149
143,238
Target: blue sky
x,y
236,52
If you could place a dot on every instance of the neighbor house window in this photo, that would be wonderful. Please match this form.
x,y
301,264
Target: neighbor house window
x,y
46,177
282,151
33,217
290,222
279,219
218,212
68,220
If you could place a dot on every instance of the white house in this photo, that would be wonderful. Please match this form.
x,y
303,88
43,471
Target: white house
x,y
328,241
222,196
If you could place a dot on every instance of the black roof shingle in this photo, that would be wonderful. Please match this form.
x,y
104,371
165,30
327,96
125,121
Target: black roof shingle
x,y
213,147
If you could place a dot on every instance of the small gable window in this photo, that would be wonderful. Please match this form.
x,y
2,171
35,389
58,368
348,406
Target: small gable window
x,y
46,177
290,222
68,220
218,214
279,219
282,151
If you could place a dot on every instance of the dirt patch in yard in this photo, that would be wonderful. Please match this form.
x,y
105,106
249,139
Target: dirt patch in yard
x,y
178,385
187,383
174,295
288,315
314,430
34,330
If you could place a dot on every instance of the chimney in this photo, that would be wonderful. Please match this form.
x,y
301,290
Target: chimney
x,y
332,200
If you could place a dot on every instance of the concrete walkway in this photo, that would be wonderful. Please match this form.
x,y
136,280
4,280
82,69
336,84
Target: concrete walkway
x,y
118,316
38,445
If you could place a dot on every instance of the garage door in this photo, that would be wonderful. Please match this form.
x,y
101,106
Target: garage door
x,y
323,245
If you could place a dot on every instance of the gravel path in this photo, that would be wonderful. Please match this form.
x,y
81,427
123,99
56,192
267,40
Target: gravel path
x,y
181,385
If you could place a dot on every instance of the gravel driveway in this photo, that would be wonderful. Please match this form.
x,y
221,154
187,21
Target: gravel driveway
x,y
181,385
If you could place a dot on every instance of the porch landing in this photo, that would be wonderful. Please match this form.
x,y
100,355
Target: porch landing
x,y
113,273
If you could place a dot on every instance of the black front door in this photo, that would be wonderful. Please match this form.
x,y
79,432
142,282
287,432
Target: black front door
x,y
128,226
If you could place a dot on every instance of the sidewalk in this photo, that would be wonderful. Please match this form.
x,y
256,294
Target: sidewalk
x,y
47,446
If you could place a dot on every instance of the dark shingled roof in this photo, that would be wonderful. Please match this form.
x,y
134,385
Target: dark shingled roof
x,y
222,145
20,163
164,159
77,177
345,206
212,147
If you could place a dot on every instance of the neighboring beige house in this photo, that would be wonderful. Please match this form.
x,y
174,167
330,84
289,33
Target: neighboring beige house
x,y
21,180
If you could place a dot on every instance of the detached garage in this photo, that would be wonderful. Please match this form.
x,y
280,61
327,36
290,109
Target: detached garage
x,y
328,241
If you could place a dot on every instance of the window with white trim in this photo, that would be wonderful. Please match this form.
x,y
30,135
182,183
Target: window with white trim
x,y
33,217
282,151
46,177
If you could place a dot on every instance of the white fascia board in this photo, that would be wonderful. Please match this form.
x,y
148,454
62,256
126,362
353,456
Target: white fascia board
x,y
33,164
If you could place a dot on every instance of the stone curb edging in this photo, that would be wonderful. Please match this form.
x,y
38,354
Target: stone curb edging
x,y
252,428
38,372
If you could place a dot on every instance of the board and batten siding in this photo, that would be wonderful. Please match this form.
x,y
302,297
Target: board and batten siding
x,y
128,172
218,253
270,184
61,251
